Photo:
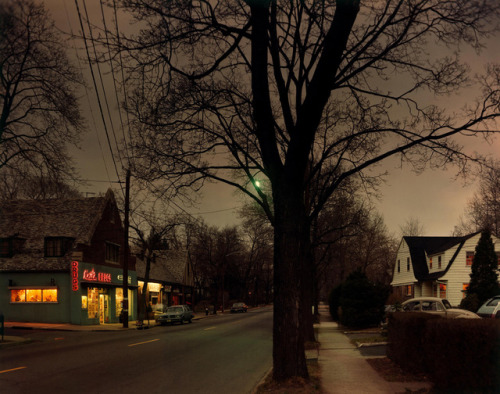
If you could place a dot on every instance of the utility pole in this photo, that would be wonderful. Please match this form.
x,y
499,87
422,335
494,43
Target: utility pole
x,y
126,251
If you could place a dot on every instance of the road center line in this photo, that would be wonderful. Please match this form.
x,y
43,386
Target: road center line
x,y
142,343
209,328
11,370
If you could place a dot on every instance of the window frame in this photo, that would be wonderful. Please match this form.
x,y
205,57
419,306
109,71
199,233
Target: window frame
x,y
110,246
64,246
469,258
26,288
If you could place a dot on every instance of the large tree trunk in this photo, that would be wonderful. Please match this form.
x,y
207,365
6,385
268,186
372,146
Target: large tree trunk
x,y
291,245
307,300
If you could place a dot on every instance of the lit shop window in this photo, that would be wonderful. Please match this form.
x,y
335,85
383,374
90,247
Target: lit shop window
x,y
93,303
33,295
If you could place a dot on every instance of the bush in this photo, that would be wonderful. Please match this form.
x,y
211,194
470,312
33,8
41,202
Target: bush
x,y
461,355
334,302
362,302
406,340
464,354
470,302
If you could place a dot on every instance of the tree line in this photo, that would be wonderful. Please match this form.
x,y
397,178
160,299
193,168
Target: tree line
x,y
293,103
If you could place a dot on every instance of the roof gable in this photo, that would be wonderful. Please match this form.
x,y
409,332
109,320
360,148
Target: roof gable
x,y
34,220
421,247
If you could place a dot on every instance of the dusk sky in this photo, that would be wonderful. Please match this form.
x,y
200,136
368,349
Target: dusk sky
x,y
435,198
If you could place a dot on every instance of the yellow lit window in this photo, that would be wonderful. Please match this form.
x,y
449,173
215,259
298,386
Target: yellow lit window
x,y
18,295
49,295
33,295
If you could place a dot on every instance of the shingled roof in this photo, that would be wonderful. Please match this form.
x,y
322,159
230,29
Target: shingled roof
x,y
420,247
33,220
168,267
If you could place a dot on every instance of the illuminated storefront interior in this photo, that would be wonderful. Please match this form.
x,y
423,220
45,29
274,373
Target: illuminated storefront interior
x,y
33,295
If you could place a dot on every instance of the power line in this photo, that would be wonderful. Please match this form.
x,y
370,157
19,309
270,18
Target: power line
x,y
123,76
114,80
101,79
97,92
87,93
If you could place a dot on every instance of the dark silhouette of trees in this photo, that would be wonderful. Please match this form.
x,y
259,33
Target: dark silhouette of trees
x,y
39,112
287,90
483,210
484,271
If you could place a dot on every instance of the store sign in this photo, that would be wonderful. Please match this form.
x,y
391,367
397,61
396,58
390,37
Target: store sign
x,y
92,276
120,278
74,275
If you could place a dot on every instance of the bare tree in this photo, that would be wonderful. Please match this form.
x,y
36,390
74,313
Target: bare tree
x,y
483,210
286,90
14,186
412,228
39,112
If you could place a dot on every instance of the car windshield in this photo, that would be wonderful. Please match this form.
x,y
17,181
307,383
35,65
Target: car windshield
x,y
174,309
238,304
493,302
446,304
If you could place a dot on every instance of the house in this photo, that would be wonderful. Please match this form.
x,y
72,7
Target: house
x,y
171,279
61,261
435,266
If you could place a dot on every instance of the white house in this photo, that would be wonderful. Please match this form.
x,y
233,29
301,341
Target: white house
x,y
435,266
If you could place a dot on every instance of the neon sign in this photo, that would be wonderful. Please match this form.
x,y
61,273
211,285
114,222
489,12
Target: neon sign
x,y
92,276
74,275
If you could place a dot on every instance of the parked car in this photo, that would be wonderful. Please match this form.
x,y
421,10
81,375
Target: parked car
x,y
490,308
437,306
239,307
175,314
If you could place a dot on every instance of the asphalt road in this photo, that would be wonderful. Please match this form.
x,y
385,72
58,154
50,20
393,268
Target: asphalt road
x,y
219,354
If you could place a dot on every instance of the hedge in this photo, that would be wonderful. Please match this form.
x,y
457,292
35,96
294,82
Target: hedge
x,y
457,354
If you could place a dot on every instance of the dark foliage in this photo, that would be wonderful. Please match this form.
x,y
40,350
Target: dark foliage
x,y
460,355
464,354
484,276
406,339
361,302
334,302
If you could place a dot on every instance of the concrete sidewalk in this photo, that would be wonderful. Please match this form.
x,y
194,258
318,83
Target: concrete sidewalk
x,y
345,370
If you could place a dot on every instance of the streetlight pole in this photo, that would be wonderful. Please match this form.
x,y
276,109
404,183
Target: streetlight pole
x,y
126,250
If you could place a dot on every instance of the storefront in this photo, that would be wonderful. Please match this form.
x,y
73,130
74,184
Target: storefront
x,y
88,294
97,294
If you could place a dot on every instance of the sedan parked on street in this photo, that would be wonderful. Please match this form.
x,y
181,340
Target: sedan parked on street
x,y
437,306
239,307
175,314
490,308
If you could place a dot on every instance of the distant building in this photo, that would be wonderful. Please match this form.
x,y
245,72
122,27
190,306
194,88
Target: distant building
x,y
61,261
435,266
171,279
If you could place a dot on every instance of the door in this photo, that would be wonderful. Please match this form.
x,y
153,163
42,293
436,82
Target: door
x,y
103,309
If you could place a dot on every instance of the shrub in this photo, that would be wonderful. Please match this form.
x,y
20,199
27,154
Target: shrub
x,y
334,302
406,340
464,354
362,302
470,302
461,355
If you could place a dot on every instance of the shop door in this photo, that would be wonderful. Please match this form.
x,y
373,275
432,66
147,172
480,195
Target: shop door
x,y
103,308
